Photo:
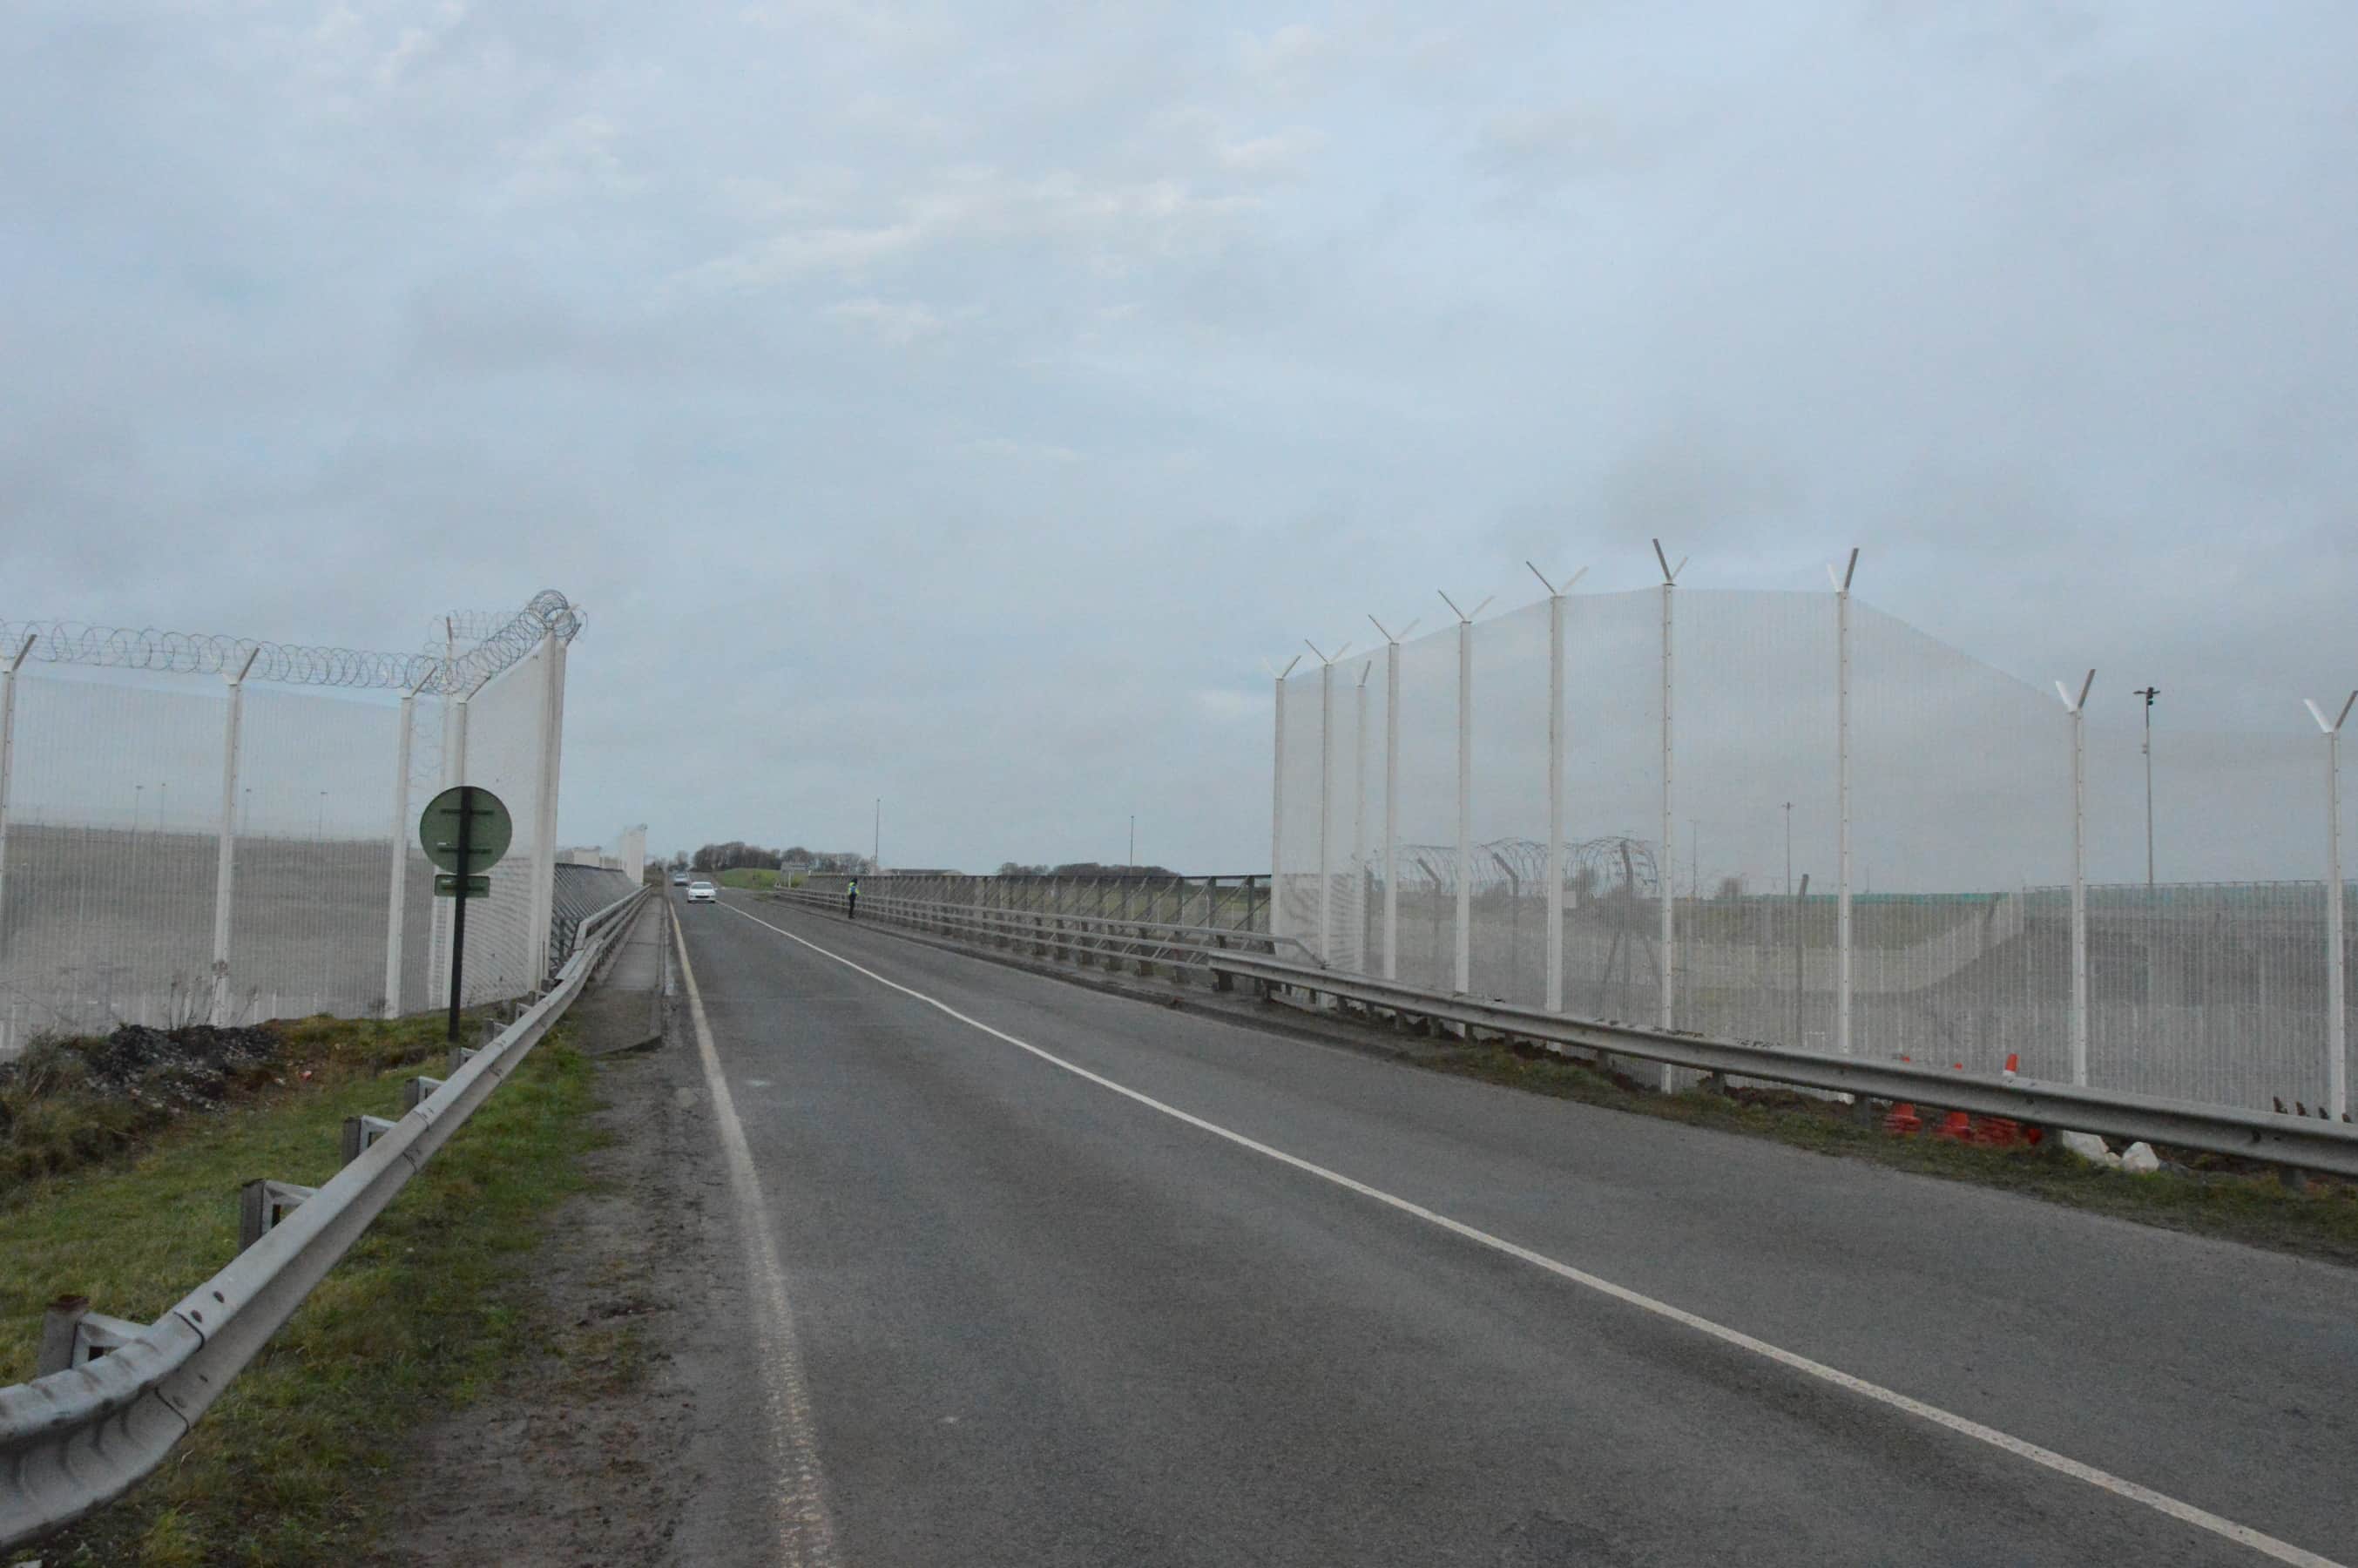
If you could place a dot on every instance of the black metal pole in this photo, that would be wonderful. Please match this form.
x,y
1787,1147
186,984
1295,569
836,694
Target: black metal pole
x,y
459,901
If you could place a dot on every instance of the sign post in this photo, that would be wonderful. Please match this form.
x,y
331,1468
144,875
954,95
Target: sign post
x,y
465,830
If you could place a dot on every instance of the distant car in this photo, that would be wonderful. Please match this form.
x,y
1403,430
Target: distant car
x,y
703,892
679,878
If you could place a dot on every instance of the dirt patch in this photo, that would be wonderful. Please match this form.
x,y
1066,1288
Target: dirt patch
x,y
589,1453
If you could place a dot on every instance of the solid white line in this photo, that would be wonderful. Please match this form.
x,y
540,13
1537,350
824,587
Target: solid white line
x,y
805,1536
2063,1464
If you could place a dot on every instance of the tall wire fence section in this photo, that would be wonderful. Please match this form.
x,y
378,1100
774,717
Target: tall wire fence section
x,y
1790,817
215,830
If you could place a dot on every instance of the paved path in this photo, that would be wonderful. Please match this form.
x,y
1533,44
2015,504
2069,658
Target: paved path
x,y
1071,1280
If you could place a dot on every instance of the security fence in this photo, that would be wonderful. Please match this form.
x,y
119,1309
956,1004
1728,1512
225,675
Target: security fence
x,y
1790,817
202,829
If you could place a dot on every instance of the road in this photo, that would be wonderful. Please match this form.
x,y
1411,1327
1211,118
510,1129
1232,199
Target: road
x,y
1057,1277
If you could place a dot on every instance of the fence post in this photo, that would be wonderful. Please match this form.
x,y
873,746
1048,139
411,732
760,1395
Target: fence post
x,y
1276,805
2078,709
1360,818
1391,796
1842,807
397,897
1325,805
1555,785
454,772
2337,1025
1667,1006
225,864
1463,974
8,758
544,850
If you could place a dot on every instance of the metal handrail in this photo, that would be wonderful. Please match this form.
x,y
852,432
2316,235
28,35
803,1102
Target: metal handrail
x,y
2289,1141
75,1440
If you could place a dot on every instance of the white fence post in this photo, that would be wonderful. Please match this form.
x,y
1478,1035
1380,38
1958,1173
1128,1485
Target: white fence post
x,y
1669,1004
454,772
552,756
1360,818
1842,805
1556,784
7,761
2078,708
1277,803
395,900
2336,1024
225,864
1391,796
1463,970
1325,805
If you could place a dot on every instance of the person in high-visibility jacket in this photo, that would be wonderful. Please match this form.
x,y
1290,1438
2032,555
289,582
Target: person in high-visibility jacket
x,y
851,898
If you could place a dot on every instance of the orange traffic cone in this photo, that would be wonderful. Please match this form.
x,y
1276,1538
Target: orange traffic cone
x,y
1903,1120
1957,1124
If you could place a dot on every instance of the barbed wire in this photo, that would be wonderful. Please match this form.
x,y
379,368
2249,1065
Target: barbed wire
x,y
1616,865
190,652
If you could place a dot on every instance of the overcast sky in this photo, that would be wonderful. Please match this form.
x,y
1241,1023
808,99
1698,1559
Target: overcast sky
x,y
957,403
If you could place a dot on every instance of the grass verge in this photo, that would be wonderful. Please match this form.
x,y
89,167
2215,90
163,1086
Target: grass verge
x,y
750,877
292,1465
2207,1196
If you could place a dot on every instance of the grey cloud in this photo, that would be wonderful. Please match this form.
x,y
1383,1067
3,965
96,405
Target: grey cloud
x,y
956,404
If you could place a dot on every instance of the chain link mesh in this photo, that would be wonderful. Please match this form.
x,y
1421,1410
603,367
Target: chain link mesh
x,y
2210,985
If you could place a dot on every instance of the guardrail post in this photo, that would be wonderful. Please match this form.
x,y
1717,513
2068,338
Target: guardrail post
x,y
73,1336
1145,962
59,1325
415,1091
360,1131
1221,980
262,1204
460,1056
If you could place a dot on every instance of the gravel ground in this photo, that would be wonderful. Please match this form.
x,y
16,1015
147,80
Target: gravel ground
x,y
594,1454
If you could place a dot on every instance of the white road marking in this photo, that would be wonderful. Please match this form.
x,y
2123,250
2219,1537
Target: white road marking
x,y
805,1536
2047,1458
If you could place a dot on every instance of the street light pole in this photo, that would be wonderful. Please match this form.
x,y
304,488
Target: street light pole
x,y
2148,693
1789,849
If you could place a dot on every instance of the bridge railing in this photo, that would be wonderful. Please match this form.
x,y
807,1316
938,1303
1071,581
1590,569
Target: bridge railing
x,y
1146,946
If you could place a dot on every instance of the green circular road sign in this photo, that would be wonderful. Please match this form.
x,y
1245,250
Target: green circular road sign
x,y
488,836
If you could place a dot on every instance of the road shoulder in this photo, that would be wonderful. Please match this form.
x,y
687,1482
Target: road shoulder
x,y
599,1446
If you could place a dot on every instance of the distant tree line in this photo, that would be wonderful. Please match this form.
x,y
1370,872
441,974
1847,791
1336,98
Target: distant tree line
x,y
738,855
1082,869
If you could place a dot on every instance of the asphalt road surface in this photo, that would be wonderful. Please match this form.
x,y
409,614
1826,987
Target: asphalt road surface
x,y
1056,1277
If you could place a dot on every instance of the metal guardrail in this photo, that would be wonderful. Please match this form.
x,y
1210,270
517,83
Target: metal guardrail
x,y
2222,1130
2287,1140
75,1440
1086,938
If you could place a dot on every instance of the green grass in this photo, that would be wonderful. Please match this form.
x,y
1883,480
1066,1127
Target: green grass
x,y
2227,1200
746,876
292,1465
52,1123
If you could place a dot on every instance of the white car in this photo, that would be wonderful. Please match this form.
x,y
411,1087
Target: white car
x,y
703,892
